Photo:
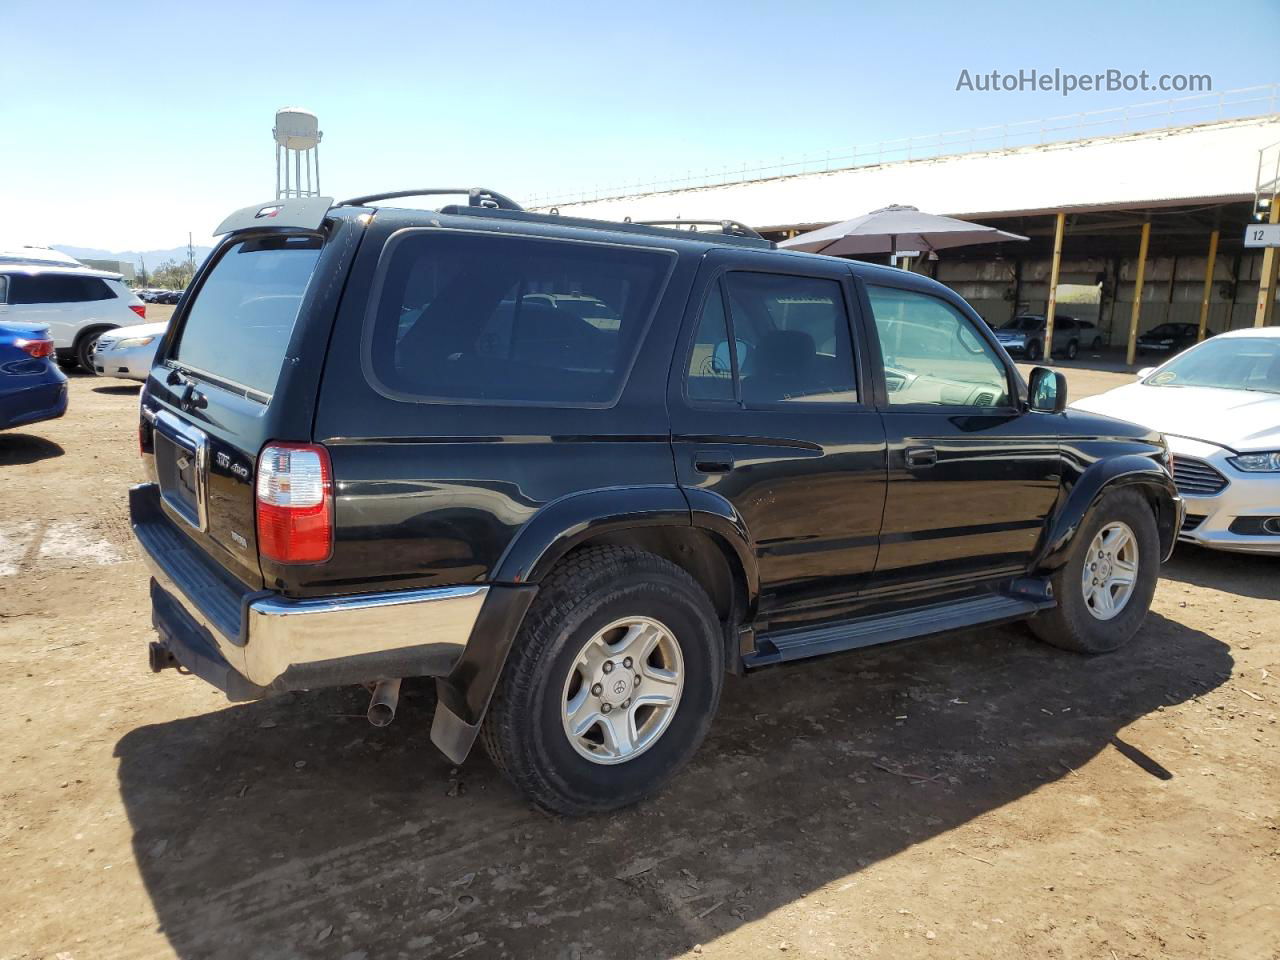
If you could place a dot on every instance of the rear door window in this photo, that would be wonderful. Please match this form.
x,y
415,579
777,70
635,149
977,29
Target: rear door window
x,y
239,325
478,318
58,288
790,337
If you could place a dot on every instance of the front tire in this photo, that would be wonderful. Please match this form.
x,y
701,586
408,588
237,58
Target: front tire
x,y
1105,588
1073,348
1033,351
84,348
611,685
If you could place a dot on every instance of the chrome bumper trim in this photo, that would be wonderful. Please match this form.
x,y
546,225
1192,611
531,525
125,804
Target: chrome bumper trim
x,y
286,633
281,634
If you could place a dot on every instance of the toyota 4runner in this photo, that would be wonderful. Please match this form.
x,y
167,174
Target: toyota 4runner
x,y
578,471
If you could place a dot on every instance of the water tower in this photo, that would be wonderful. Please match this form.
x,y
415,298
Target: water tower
x,y
297,134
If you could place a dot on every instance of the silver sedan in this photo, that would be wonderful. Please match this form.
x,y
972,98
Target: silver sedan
x,y
127,352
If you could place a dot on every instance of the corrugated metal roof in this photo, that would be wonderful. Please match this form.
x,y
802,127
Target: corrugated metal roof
x,y
1206,162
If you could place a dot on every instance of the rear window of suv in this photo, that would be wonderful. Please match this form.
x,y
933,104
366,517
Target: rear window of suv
x,y
239,325
473,318
57,288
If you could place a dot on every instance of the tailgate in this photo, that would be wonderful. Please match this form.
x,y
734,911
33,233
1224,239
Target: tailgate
x,y
219,389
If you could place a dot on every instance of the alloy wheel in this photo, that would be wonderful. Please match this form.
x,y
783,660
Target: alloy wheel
x,y
1110,570
622,691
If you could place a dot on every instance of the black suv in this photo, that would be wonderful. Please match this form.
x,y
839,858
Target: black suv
x,y
578,471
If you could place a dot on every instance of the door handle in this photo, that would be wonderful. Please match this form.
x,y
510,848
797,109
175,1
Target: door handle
x,y
919,458
709,462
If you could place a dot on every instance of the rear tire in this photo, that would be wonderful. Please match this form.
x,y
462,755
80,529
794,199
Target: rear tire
x,y
1076,623
587,608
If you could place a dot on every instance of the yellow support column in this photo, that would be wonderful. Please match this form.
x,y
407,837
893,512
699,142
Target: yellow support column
x,y
1208,284
1267,284
1137,294
1053,286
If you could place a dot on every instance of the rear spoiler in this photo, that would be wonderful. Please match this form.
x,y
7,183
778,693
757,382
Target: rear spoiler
x,y
306,213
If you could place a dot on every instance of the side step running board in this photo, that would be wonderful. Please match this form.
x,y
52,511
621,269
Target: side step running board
x,y
784,646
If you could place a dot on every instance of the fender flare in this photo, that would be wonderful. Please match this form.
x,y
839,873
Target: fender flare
x,y
551,533
711,512
1099,478
564,523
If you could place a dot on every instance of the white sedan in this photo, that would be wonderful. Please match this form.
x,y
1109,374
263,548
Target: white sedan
x,y
1218,404
127,352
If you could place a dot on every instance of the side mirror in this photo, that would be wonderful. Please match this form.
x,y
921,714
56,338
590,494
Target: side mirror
x,y
1146,372
720,356
1047,391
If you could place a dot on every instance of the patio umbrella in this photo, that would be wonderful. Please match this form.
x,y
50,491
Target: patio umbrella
x,y
893,229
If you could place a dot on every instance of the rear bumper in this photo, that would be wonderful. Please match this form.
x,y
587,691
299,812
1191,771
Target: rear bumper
x,y
42,401
251,643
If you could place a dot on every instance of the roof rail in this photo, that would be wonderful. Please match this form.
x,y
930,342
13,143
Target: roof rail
x,y
731,228
476,197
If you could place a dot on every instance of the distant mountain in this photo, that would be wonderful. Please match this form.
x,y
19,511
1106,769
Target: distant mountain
x,y
154,258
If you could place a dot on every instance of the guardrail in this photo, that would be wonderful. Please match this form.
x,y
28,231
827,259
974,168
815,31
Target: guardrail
x,y
1113,121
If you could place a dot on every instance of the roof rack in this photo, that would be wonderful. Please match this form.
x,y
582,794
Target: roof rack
x,y
476,197
730,228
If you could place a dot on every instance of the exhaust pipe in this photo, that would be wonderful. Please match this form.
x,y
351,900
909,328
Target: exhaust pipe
x,y
382,706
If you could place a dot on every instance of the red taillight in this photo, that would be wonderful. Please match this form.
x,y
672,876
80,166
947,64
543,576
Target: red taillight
x,y
140,309
37,348
295,503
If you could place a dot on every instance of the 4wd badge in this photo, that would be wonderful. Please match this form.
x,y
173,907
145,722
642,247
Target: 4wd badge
x,y
224,461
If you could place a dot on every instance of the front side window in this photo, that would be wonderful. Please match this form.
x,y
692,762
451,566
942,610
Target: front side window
x,y
932,354
790,339
491,318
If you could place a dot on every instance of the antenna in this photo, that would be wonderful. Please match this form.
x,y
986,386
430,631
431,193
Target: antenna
x,y
297,135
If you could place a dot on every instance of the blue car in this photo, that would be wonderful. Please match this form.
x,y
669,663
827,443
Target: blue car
x,y
32,388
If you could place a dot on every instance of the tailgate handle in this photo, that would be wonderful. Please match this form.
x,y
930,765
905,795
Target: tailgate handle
x,y
919,458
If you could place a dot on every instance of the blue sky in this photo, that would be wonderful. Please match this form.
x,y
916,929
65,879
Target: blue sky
x,y
126,125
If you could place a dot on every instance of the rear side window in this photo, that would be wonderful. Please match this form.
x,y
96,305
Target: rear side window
x,y
478,318
238,327
55,288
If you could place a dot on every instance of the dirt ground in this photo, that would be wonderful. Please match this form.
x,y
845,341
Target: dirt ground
x,y
970,797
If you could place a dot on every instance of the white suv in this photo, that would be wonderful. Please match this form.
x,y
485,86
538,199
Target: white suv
x,y
76,303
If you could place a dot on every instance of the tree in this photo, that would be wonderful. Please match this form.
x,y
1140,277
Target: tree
x,y
172,275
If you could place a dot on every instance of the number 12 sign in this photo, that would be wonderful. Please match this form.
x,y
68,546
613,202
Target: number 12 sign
x,y
1262,235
